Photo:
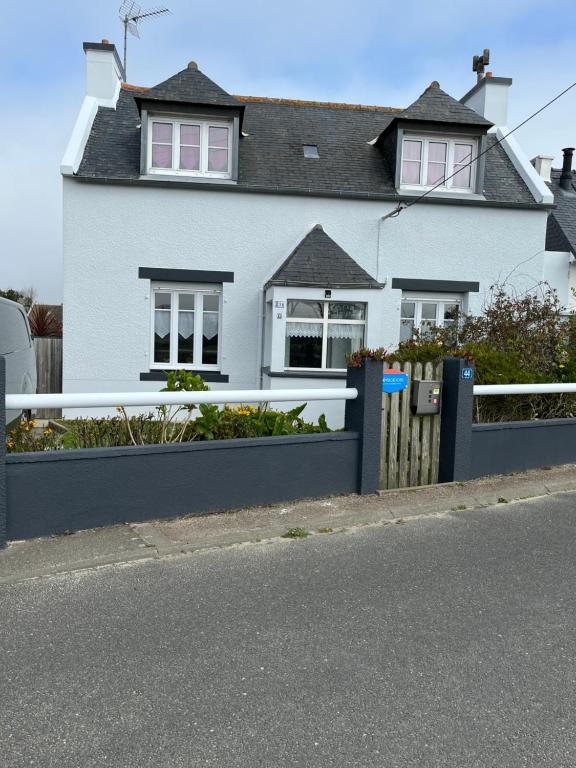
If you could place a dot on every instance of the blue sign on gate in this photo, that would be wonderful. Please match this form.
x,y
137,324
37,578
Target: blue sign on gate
x,y
394,380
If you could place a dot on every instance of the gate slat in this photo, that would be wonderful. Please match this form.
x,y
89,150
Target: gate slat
x,y
384,443
415,437
393,437
425,435
405,417
435,437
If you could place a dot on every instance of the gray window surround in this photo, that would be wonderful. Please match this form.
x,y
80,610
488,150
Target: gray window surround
x,y
294,374
200,113
447,131
437,286
185,275
210,376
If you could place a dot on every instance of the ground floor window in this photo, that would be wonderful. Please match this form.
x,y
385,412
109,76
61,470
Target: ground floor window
x,y
185,326
424,314
319,334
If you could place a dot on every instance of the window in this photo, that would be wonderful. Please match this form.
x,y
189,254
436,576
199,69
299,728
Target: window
x,y
190,147
311,151
430,161
319,334
185,327
423,315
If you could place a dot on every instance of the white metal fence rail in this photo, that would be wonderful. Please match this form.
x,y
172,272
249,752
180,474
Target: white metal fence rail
x,y
523,389
130,399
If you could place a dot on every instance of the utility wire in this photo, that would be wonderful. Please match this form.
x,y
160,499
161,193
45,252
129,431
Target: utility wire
x,y
401,206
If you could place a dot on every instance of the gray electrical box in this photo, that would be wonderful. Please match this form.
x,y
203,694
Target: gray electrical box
x,y
426,396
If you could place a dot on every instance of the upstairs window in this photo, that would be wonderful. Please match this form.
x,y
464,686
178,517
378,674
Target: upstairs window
x,y
431,161
190,147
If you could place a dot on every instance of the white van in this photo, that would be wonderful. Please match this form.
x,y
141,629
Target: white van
x,y
17,348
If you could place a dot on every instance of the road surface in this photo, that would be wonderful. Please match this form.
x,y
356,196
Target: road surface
x,y
446,642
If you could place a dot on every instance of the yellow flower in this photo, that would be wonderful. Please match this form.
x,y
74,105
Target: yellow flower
x,y
48,431
561,365
10,443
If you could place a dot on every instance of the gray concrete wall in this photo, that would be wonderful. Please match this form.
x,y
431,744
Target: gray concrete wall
x,y
518,445
70,490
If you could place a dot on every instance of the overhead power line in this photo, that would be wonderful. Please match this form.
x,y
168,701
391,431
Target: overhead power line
x,y
403,205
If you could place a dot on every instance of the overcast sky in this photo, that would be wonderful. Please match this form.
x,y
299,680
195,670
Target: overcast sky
x,y
368,51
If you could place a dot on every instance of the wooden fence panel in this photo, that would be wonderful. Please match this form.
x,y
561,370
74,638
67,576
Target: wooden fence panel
x,y
410,444
49,370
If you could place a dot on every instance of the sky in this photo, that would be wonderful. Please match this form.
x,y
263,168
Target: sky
x,y
369,51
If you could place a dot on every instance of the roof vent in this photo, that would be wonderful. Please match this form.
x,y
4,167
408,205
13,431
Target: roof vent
x,y
311,151
192,65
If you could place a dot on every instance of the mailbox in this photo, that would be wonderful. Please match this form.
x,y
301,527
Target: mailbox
x,y
426,397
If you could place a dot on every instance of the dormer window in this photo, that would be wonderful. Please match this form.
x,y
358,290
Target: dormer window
x,y
430,161
190,147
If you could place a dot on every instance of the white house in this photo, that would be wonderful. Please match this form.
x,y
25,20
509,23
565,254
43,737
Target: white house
x,y
248,238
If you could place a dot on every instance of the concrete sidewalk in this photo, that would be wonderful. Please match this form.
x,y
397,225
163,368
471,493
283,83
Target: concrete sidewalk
x,y
24,560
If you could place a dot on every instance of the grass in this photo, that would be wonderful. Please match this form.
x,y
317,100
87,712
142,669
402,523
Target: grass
x,y
296,533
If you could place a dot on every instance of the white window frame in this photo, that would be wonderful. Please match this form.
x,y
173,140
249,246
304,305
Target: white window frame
x,y
324,321
199,291
439,300
451,142
204,126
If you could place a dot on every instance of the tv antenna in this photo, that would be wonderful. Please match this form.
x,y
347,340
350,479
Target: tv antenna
x,y
480,62
131,15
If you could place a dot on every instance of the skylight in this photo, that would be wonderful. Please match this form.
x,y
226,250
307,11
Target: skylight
x,y
311,151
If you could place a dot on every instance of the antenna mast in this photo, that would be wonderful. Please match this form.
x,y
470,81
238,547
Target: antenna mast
x,y
131,15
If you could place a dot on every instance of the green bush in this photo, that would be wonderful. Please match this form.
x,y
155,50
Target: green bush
x,y
515,340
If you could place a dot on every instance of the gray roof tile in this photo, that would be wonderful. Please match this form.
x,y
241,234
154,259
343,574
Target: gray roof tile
x,y
318,261
561,230
434,105
271,155
193,87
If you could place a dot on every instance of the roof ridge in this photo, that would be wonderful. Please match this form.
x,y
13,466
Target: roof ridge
x,y
290,102
312,103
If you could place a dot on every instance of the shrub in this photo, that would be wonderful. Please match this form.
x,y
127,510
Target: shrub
x,y
26,436
515,340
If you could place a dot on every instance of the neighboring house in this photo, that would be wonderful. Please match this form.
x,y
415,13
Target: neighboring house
x,y
559,267
247,238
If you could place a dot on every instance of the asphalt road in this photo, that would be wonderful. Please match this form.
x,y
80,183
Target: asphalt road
x,y
439,642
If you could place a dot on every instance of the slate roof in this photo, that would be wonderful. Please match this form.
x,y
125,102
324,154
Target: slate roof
x,y
434,105
317,261
193,87
561,229
271,154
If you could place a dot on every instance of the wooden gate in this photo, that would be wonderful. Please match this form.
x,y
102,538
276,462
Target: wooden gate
x,y
49,369
410,444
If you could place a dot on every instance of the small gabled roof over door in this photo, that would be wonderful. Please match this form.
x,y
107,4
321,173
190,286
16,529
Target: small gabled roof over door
x,y
319,262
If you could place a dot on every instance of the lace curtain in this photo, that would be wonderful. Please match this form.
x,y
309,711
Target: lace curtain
x,y
335,330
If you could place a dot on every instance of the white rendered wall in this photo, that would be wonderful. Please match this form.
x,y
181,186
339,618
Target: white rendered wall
x,y
112,230
557,271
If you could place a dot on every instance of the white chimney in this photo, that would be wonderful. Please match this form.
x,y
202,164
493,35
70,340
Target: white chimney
x,y
489,97
543,165
104,71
